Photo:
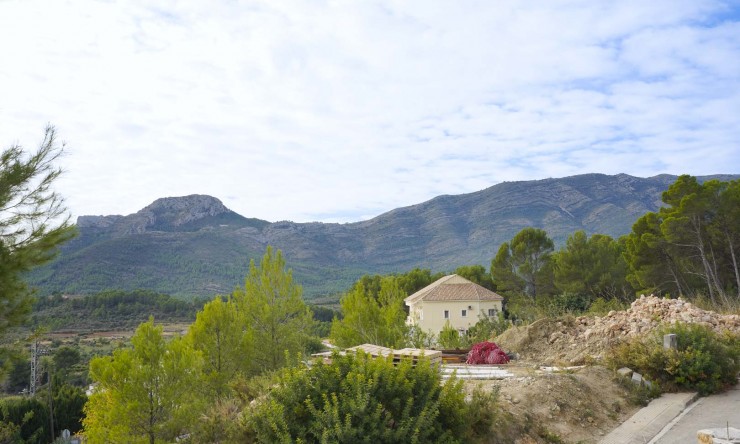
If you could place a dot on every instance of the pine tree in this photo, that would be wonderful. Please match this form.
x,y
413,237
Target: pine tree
x,y
33,222
274,311
222,336
377,320
144,394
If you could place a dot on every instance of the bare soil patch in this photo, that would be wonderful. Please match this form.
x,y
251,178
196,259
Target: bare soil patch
x,y
578,406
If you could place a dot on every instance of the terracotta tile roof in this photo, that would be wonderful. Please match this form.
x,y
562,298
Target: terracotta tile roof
x,y
453,288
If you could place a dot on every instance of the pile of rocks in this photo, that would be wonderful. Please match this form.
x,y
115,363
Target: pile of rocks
x,y
647,313
574,341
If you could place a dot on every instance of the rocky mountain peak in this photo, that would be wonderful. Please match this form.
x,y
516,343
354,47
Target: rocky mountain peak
x,y
165,214
177,211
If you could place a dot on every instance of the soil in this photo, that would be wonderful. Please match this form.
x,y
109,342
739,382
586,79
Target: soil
x,y
579,404
574,405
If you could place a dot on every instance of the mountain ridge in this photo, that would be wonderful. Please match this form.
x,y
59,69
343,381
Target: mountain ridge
x,y
195,246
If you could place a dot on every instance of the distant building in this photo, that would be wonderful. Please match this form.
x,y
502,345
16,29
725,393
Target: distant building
x,y
454,299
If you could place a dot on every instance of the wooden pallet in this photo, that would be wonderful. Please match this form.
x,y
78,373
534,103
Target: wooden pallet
x,y
434,356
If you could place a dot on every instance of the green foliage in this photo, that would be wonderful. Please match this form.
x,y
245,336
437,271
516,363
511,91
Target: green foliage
x,y
409,282
226,342
523,309
220,424
704,360
10,433
359,399
33,222
481,414
274,311
64,358
483,330
449,337
112,309
525,264
487,328
477,274
17,368
370,316
146,393
323,317
323,314
68,403
418,338
691,245
30,418
416,279
601,306
593,266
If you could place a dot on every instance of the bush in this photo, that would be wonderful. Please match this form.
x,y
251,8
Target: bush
x,y
481,412
449,338
704,361
360,399
487,327
29,416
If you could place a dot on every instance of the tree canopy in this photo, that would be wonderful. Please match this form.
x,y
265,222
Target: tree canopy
x,y
33,222
274,310
146,393
525,264
690,246
372,318
592,266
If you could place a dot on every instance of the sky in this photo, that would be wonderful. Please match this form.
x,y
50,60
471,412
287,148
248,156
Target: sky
x,y
338,111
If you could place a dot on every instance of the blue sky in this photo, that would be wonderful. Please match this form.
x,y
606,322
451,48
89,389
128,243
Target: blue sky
x,y
338,111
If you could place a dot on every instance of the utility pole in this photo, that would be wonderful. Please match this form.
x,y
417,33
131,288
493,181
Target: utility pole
x,y
51,406
34,366
36,350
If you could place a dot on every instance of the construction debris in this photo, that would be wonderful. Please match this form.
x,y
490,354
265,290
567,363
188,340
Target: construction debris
x,y
576,340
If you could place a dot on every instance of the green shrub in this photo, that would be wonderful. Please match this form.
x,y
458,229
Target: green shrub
x,y
487,328
449,337
360,399
29,416
704,361
481,413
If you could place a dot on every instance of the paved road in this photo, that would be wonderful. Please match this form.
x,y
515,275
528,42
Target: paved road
x,y
715,411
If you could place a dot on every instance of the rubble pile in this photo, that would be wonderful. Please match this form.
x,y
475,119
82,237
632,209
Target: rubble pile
x,y
647,313
574,341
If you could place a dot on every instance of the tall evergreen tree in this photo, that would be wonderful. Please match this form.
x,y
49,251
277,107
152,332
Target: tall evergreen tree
x,y
33,222
144,394
274,310
592,266
221,334
690,246
524,265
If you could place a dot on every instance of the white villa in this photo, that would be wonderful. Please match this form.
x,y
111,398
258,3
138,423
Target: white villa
x,y
454,299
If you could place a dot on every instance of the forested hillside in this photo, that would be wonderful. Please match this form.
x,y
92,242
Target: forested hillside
x,y
196,247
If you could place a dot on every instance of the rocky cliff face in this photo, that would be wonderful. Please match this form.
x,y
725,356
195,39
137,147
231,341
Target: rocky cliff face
x,y
165,214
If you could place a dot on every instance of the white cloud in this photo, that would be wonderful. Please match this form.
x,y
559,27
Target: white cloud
x,y
341,110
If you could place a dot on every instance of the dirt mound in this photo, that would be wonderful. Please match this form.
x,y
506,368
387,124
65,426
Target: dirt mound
x,y
579,406
576,340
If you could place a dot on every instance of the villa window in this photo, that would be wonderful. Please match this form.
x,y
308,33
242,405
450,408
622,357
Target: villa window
x,y
491,312
447,314
465,313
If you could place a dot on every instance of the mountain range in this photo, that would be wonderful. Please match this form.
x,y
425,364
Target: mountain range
x,y
194,246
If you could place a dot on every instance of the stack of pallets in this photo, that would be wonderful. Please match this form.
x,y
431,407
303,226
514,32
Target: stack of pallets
x,y
434,356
